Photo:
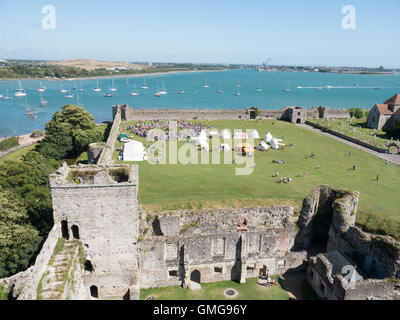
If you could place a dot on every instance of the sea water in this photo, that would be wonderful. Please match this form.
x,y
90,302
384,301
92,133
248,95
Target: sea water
x,y
345,91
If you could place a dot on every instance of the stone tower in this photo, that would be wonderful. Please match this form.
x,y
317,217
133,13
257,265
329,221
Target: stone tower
x,y
98,206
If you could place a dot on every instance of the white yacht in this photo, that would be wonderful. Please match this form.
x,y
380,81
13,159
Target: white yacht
x,y
258,89
144,86
69,96
41,89
7,97
287,89
163,90
206,85
97,89
20,92
219,89
62,90
81,89
113,87
134,92
237,94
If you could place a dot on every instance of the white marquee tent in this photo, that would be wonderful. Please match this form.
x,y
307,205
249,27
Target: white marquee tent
x,y
134,151
254,134
225,134
268,137
263,146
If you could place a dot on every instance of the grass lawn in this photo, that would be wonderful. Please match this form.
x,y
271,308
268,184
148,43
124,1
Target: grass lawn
x,y
200,186
215,291
16,155
356,128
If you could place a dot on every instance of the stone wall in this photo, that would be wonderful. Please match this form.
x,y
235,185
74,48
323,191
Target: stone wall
x,y
340,135
105,157
90,205
24,284
176,243
128,113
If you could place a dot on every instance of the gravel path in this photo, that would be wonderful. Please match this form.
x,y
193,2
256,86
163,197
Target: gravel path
x,y
394,158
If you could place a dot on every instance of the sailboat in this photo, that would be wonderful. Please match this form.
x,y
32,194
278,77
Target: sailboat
x,y
157,93
219,89
287,89
69,96
144,86
20,92
238,84
113,88
97,89
258,89
237,93
134,92
62,89
163,90
81,89
6,97
206,85
41,89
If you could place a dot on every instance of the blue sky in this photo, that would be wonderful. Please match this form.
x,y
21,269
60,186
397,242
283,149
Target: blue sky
x,y
291,32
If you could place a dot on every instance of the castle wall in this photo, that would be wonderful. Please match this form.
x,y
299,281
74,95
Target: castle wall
x,y
208,241
105,158
105,213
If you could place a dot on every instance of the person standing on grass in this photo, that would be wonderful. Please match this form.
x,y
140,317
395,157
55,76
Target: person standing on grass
x,y
354,167
377,177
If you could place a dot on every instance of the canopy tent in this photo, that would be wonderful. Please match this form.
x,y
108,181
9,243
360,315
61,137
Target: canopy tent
x,y
213,133
123,135
225,134
134,151
254,134
268,137
204,146
244,148
203,136
223,147
240,135
263,146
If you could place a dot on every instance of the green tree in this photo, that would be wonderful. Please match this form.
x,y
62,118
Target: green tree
x,y
72,122
19,241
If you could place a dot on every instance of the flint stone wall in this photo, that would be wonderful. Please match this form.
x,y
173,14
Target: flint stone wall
x,y
208,241
106,214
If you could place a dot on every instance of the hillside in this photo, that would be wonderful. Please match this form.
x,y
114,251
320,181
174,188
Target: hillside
x,y
93,64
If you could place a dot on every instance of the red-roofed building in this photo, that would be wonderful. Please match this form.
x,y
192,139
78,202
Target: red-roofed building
x,y
381,114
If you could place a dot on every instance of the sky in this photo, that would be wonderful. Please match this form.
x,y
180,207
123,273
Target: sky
x,y
290,32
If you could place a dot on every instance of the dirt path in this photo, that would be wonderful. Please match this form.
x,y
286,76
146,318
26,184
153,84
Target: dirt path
x,y
25,139
394,158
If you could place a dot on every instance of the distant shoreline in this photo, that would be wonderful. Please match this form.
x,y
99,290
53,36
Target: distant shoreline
x,y
117,76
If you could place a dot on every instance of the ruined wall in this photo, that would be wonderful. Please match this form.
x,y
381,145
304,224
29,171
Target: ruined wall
x,y
105,157
176,243
23,284
102,213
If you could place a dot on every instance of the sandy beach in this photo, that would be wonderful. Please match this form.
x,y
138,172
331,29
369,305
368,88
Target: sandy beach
x,y
24,139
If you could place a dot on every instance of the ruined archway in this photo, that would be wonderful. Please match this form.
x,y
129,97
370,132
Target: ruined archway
x,y
75,231
64,229
195,276
94,292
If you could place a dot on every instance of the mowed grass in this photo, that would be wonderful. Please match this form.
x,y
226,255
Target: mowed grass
x,y
16,155
173,186
215,291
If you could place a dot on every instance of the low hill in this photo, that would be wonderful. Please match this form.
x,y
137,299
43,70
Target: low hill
x,y
93,65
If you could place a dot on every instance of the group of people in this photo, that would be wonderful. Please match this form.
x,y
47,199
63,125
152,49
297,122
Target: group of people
x,y
184,129
265,276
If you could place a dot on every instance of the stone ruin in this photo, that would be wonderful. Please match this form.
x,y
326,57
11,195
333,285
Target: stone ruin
x,y
123,248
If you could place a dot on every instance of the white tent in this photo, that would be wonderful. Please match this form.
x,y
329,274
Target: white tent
x,y
275,143
203,136
134,151
204,146
225,134
195,140
263,146
240,135
268,137
224,147
213,133
254,134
